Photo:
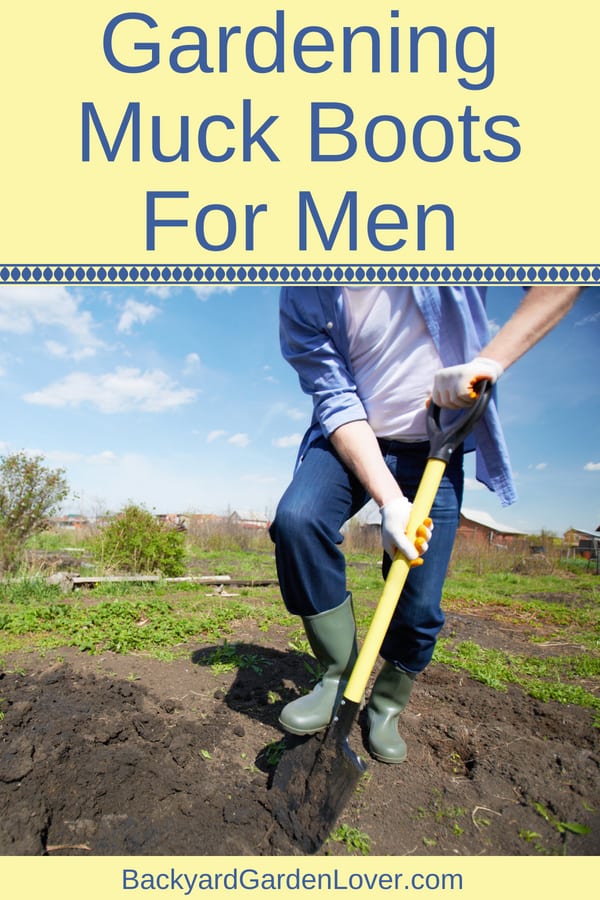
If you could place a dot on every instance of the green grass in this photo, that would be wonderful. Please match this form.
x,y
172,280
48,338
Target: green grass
x,y
161,619
544,679
505,587
561,608
241,563
26,591
56,540
126,617
120,617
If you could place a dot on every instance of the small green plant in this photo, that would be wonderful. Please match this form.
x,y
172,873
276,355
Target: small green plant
x,y
441,814
354,840
313,670
273,752
457,763
534,838
563,828
363,783
227,658
299,644
135,541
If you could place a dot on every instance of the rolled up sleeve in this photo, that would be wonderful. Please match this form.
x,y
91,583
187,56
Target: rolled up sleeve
x,y
307,343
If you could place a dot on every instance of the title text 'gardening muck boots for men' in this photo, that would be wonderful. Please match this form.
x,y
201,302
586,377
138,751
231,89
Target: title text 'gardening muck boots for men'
x,y
332,637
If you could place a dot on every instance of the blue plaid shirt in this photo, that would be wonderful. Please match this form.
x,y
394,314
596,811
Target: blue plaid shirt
x,y
314,340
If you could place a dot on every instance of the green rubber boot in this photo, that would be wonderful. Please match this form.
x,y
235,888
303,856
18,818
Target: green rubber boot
x,y
390,695
332,637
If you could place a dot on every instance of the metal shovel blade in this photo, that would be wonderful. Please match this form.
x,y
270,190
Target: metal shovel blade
x,y
312,785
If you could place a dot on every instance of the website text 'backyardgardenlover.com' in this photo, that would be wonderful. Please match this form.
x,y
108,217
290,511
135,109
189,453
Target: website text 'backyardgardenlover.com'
x,y
250,879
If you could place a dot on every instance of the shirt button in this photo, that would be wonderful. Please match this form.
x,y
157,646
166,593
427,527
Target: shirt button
x,y
329,326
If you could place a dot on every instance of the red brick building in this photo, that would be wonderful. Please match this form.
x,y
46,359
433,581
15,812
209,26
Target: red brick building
x,y
478,528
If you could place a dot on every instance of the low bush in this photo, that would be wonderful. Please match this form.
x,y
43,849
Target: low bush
x,y
135,541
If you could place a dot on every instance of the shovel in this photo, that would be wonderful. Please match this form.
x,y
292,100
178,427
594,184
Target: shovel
x,y
316,778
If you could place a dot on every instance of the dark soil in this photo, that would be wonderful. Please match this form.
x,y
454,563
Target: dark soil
x,y
120,755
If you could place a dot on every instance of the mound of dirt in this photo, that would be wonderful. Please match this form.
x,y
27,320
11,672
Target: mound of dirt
x,y
125,755
92,764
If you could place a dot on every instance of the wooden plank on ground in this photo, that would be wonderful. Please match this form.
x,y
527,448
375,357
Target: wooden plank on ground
x,y
70,582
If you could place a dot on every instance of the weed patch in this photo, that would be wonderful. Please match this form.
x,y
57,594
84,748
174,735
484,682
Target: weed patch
x,y
542,679
353,839
563,829
227,658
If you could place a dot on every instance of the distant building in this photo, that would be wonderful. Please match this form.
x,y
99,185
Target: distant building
x,y
199,521
174,520
474,528
260,524
480,528
69,521
583,543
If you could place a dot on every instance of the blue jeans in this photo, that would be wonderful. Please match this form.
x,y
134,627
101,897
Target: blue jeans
x,y
311,566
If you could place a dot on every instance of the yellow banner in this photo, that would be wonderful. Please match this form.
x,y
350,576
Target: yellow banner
x,y
467,878
278,140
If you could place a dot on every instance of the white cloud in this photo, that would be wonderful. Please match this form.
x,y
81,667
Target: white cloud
x,y
588,320
289,440
239,440
65,457
61,351
56,349
280,409
192,363
539,467
162,291
295,414
204,291
135,313
55,457
215,435
106,457
23,308
592,467
118,391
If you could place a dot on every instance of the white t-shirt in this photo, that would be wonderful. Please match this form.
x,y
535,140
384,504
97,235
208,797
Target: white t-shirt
x,y
393,359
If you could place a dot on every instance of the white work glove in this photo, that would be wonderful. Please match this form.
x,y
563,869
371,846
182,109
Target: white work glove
x,y
394,520
453,387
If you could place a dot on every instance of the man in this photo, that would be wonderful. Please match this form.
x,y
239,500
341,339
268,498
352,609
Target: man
x,y
370,358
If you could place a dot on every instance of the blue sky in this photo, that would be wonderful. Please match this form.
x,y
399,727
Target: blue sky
x,y
177,398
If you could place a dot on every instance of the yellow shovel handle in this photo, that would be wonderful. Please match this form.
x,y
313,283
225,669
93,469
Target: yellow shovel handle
x,y
421,508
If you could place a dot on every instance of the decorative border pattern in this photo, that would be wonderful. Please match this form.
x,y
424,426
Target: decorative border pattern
x,y
298,274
